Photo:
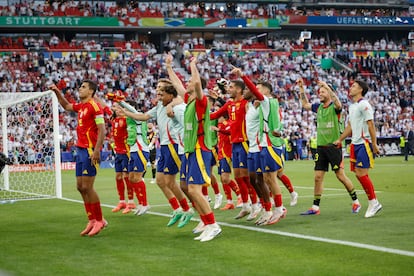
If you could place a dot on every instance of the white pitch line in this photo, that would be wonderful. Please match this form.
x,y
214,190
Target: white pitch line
x,y
292,235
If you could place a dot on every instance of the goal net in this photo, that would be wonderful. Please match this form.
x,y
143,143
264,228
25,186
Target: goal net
x,y
29,136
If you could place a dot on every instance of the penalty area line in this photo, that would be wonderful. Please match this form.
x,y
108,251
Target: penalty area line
x,y
291,235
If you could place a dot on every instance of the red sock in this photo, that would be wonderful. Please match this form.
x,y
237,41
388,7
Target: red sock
x,y
278,200
233,185
141,192
174,203
120,187
267,206
210,218
184,204
97,210
368,186
204,190
252,191
130,190
286,181
89,210
244,191
203,219
227,191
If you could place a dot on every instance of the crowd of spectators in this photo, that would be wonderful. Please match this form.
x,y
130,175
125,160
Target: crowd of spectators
x,y
391,81
186,9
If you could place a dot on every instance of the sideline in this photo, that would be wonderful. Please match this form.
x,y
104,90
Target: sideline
x,y
288,234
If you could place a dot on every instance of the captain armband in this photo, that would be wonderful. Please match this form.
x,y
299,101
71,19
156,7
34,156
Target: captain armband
x,y
99,120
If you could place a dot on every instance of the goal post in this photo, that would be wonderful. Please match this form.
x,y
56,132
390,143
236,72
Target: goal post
x,y
30,138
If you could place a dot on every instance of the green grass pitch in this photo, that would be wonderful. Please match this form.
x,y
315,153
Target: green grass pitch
x,y
41,237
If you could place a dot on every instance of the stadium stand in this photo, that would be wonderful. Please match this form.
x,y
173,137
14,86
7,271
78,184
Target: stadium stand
x,y
30,60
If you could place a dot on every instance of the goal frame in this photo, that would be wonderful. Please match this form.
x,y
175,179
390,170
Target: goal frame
x,y
9,99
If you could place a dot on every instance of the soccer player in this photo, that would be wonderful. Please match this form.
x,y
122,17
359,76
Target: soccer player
x,y
197,147
253,159
169,163
90,133
218,197
139,156
270,143
363,142
328,131
224,157
236,110
121,149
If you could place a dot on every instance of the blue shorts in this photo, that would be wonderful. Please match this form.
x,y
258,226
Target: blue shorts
x,y
169,162
239,155
254,164
224,166
198,167
84,166
121,163
183,168
271,159
138,161
361,156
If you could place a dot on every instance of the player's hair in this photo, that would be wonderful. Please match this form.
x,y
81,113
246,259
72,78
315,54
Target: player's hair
x,y
164,80
239,83
92,85
169,89
266,84
363,85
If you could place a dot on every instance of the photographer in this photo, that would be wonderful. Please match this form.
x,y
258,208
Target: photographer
x,y
4,160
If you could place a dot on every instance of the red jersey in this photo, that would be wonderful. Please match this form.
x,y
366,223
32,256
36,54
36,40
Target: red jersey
x,y
224,143
237,119
87,130
120,135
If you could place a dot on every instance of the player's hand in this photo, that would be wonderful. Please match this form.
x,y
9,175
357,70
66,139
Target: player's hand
x,y
119,110
169,110
54,88
299,82
214,128
213,93
276,133
337,143
169,59
236,71
323,84
375,149
193,61
96,157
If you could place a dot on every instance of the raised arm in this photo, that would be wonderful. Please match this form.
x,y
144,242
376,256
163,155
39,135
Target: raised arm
x,y
195,76
62,100
105,107
334,97
173,76
238,72
136,116
304,99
